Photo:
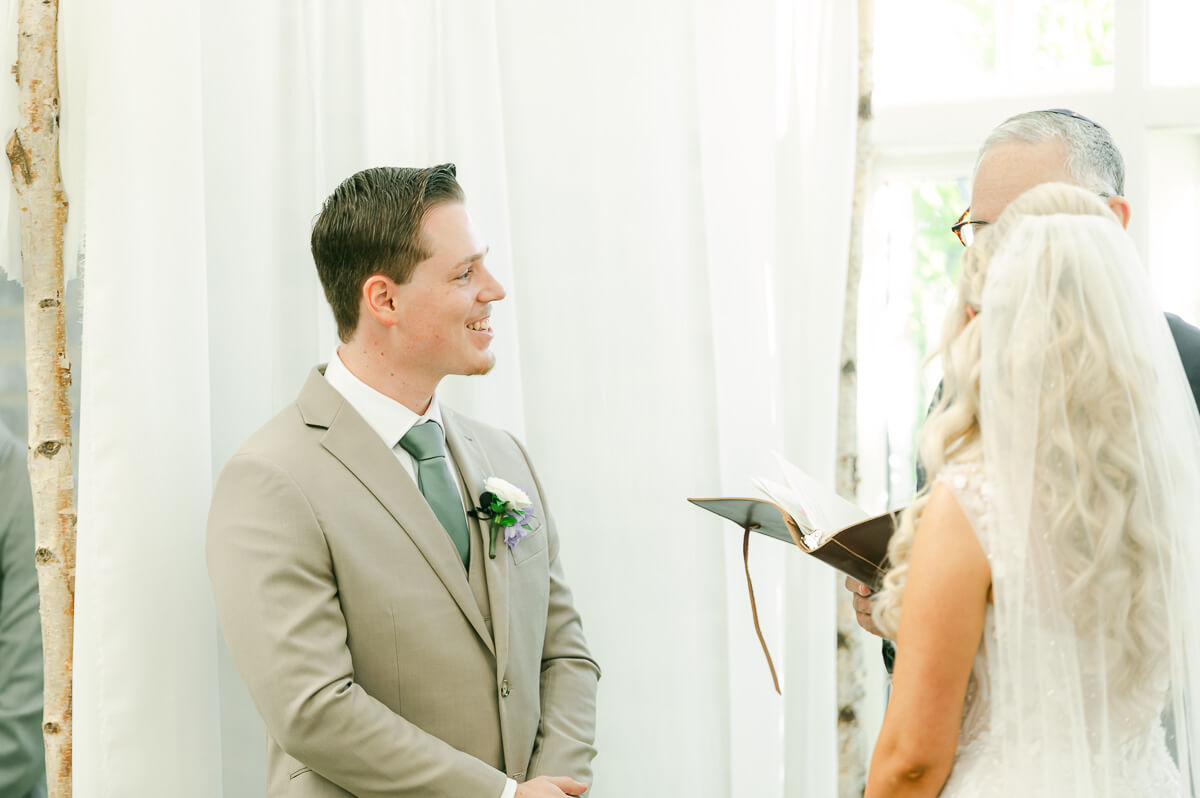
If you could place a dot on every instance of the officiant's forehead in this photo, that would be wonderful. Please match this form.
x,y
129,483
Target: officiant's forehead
x,y
1010,168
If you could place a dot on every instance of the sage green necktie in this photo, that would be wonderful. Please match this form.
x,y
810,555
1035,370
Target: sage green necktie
x,y
426,444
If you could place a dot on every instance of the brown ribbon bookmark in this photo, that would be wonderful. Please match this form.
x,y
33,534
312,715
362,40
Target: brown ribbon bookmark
x,y
754,606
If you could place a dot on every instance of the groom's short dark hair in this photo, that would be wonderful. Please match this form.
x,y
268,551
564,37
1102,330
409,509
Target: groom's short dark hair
x,y
371,224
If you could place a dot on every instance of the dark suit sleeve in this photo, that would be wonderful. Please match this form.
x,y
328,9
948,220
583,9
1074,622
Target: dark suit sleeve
x,y
887,647
21,753
564,745
1187,341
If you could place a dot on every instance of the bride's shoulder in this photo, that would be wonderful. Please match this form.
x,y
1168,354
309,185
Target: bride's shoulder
x,y
969,483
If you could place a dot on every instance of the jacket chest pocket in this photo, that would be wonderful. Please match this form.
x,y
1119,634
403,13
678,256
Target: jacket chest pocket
x,y
532,544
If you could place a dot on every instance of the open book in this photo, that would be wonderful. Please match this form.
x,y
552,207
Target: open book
x,y
816,519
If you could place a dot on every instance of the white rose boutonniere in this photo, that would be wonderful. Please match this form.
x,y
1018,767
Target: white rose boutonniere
x,y
507,508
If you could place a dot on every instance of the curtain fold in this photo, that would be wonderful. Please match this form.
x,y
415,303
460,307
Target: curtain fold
x,y
736,128
617,367
145,712
267,323
816,152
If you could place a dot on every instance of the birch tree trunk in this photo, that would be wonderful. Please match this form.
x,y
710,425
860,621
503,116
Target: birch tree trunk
x,y
852,748
33,156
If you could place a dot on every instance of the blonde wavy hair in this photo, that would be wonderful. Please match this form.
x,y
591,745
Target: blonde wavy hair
x,y
1101,523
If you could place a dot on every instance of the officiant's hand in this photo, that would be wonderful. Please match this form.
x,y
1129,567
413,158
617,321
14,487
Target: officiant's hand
x,y
862,605
550,787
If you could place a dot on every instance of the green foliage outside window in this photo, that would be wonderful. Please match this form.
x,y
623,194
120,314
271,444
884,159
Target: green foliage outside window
x,y
975,26
1074,34
937,259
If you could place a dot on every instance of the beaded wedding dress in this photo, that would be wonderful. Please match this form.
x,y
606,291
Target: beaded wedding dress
x,y
1023,745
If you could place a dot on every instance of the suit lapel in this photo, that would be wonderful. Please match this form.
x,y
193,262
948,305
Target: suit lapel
x,y
358,447
472,462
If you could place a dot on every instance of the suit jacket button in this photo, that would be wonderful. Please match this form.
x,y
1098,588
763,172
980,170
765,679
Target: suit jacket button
x,y
504,691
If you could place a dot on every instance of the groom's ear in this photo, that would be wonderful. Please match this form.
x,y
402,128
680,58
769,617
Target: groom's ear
x,y
380,300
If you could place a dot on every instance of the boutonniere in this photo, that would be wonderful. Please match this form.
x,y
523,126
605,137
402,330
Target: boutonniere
x,y
507,508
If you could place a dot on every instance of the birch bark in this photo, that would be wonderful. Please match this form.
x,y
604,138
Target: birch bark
x,y
852,748
33,155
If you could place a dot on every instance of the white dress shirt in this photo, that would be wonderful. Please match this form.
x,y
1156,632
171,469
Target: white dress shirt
x,y
391,421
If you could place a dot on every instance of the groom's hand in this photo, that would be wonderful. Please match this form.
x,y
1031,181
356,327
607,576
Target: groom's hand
x,y
550,787
862,605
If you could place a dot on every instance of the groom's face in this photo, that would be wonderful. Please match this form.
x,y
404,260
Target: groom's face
x,y
444,310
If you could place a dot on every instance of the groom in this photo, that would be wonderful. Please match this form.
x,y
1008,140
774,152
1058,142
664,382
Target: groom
x,y
388,653
1024,151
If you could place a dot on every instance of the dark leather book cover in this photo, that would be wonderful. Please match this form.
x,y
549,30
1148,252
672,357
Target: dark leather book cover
x,y
858,550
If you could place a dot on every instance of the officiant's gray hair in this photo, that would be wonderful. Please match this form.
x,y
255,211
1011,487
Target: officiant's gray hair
x,y
1093,160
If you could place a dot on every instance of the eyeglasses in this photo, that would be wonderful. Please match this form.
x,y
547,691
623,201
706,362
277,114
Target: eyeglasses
x,y
964,228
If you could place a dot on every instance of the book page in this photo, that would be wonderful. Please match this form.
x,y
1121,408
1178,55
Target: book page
x,y
793,503
786,498
818,510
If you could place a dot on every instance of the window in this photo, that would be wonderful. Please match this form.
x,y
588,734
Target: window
x,y
1173,26
964,49
1174,207
911,266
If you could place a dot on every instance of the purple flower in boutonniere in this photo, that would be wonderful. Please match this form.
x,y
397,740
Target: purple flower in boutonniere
x,y
507,508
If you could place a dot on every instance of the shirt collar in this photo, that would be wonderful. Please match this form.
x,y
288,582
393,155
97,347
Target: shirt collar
x,y
390,419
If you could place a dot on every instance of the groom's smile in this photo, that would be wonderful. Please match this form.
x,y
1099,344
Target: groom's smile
x,y
484,325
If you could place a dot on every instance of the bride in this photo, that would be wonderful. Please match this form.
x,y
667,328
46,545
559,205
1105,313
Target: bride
x,y
1041,591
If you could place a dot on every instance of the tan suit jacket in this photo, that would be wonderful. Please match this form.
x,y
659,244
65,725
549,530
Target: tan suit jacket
x,y
378,666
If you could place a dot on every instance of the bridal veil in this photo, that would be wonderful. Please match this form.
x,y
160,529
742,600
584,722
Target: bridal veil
x,y
1091,446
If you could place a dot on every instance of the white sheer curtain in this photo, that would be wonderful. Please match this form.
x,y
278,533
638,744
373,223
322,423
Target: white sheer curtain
x,y
146,690
665,188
